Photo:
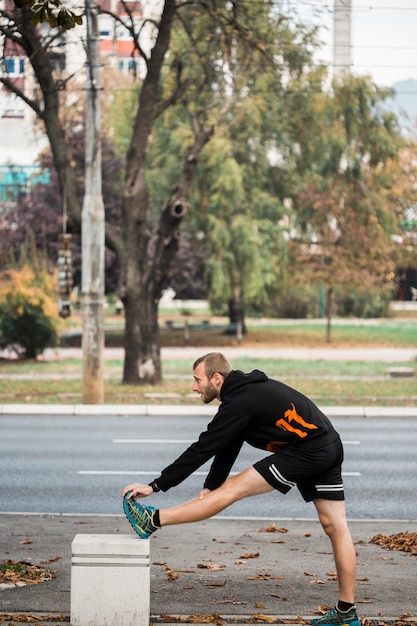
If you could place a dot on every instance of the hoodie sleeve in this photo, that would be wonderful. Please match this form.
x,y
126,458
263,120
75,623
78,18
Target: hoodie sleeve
x,y
222,464
223,437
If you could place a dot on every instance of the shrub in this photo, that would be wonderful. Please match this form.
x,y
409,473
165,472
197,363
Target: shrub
x,y
297,303
29,320
362,304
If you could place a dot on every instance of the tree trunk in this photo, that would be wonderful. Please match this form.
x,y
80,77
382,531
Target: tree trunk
x,y
147,264
329,303
41,63
142,340
237,313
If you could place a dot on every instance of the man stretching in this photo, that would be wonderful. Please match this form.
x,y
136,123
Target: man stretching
x,y
305,451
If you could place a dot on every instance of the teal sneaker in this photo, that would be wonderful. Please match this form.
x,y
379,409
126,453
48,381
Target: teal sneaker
x,y
338,618
140,517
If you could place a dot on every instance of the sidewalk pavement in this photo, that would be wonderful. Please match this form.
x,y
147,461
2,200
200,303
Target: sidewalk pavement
x,y
190,353
224,567
239,569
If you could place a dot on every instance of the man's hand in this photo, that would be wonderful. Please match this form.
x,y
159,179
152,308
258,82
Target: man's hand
x,y
137,491
203,493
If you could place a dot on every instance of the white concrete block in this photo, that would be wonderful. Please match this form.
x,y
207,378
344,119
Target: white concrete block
x,y
110,580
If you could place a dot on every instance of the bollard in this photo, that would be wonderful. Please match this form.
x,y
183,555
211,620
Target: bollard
x,y
110,580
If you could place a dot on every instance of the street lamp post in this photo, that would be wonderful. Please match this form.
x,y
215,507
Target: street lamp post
x,y
93,226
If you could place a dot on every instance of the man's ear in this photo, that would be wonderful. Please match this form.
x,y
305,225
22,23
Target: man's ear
x,y
218,379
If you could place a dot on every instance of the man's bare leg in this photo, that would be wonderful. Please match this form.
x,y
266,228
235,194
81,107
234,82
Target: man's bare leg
x,y
332,515
247,483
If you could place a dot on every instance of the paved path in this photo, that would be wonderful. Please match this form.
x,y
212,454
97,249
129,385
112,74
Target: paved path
x,y
389,355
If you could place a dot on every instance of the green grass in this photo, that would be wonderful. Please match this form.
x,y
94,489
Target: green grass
x,y
392,334
389,332
384,391
381,333
327,382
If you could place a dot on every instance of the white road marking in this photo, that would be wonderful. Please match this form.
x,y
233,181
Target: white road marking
x,y
156,473
153,440
188,441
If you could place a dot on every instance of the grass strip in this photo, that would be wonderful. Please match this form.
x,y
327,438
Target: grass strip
x,y
385,392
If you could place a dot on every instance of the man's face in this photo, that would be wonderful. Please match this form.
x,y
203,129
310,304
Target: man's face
x,y
202,385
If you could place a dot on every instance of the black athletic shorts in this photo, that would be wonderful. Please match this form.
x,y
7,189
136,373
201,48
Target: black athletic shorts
x,y
316,472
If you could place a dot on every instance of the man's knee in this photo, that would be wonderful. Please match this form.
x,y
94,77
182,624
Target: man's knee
x,y
332,516
246,483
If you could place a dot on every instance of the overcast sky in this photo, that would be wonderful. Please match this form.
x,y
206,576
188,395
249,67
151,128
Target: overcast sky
x,y
384,36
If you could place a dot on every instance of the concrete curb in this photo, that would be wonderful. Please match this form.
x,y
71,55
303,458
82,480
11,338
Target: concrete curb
x,y
239,620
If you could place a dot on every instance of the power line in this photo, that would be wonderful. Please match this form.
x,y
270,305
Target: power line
x,y
329,7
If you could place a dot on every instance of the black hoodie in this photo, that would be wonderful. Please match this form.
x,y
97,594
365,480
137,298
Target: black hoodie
x,y
255,409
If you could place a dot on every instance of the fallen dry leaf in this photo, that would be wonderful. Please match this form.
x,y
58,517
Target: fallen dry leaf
x,y
259,617
259,605
206,618
260,577
249,556
213,567
54,560
170,572
265,577
229,602
16,572
406,542
28,618
272,529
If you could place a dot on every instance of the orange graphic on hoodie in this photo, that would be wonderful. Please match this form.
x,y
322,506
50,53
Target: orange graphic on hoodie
x,y
291,415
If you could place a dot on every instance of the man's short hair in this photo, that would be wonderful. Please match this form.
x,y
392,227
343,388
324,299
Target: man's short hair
x,y
214,362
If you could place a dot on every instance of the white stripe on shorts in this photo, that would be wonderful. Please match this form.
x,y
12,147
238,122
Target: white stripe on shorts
x,y
280,478
338,487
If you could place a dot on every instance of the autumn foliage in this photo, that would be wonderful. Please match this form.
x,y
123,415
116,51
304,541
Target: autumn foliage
x,y
29,320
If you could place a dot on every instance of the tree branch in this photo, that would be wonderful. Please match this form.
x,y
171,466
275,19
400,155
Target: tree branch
x,y
20,94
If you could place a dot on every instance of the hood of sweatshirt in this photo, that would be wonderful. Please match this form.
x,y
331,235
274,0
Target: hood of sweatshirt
x,y
237,379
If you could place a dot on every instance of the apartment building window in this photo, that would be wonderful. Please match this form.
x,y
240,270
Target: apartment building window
x,y
15,66
128,65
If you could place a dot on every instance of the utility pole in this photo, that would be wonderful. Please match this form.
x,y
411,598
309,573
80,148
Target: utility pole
x,y
342,43
93,225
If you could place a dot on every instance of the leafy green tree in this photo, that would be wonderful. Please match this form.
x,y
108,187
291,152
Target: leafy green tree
x,y
52,11
217,56
237,208
246,249
342,201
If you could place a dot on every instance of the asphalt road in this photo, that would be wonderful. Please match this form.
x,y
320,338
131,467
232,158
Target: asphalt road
x,y
77,465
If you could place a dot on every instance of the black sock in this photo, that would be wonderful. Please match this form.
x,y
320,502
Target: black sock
x,y
155,518
345,606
